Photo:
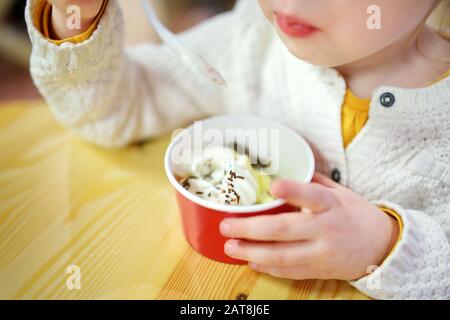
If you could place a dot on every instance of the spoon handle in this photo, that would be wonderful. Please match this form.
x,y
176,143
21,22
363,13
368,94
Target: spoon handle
x,y
191,58
165,34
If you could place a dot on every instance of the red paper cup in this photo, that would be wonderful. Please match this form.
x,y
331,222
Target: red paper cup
x,y
201,218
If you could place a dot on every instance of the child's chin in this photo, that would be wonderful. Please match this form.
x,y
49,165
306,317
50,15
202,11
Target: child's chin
x,y
314,57
307,56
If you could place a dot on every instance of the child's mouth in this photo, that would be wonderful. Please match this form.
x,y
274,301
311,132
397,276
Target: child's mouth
x,y
293,26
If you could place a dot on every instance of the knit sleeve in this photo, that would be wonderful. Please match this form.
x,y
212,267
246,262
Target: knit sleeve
x,y
419,266
114,96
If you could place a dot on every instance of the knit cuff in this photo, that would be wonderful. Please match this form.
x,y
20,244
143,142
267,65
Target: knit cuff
x,y
50,60
403,271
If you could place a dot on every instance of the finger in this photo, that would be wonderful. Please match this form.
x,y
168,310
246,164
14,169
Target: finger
x,y
292,226
273,254
324,180
312,195
302,272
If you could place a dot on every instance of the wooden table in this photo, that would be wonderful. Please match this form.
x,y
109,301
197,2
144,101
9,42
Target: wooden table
x,y
112,216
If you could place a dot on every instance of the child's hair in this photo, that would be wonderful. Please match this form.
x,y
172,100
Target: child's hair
x,y
440,19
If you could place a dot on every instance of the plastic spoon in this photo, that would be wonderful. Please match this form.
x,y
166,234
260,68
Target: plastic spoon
x,y
193,59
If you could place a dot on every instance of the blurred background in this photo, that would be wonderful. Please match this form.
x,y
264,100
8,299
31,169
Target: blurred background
x,y
15,81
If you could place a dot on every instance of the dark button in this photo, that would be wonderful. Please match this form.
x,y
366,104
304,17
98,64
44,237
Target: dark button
x,y
387,99
336,175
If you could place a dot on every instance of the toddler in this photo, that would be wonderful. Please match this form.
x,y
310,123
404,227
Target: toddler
x,y
364,81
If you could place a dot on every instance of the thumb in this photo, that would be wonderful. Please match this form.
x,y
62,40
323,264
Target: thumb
x,y
313,196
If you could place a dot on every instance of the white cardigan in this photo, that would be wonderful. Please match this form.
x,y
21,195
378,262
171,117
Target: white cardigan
x,y
400,159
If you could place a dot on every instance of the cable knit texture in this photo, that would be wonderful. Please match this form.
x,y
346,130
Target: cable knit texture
x,y
401,159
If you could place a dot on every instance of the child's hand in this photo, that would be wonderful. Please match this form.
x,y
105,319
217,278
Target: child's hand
x,y
337,235
89,9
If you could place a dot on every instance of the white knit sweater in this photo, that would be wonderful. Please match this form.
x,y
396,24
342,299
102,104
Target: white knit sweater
x,y
400,159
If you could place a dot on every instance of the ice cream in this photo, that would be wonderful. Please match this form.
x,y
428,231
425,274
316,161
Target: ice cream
x,y
222,175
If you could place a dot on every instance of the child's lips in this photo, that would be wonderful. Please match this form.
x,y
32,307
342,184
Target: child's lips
x,y
294,27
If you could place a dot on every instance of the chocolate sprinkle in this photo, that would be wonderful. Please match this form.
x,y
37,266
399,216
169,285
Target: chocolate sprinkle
x,y
185,184
238,198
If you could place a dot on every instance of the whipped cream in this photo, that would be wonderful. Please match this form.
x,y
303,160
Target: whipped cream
x,y
222,175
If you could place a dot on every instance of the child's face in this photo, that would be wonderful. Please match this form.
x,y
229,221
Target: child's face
x,y
335,32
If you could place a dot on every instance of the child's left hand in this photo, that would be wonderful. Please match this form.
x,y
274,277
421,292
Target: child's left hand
x,y
337,235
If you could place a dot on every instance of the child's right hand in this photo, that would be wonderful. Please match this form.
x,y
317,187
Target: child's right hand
x,y
89,9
